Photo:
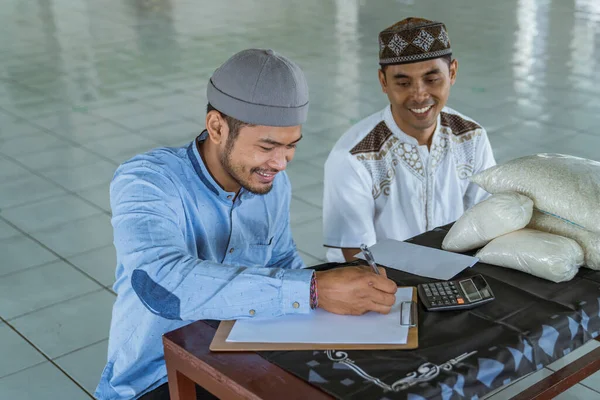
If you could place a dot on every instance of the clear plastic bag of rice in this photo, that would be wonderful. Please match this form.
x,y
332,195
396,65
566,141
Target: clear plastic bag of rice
x,y
566,186
589,241
500,214
552,257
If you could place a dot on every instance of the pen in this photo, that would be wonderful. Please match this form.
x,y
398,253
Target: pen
x,y
369,257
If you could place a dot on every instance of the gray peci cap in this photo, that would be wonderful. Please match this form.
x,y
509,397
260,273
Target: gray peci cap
x,y
260,87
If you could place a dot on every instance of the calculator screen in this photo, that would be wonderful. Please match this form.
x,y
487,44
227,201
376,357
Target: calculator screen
x,y
470,290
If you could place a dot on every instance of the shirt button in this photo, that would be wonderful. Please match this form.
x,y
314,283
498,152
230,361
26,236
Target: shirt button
x,y
296,304
231,250
252,312
229,197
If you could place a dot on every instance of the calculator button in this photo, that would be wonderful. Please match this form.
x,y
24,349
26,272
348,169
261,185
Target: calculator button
x,y
460,300
453,301
452,284
447,302
434,303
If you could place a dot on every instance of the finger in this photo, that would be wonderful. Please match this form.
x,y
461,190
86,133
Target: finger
x,y
382,271
382,298
382,283
380,308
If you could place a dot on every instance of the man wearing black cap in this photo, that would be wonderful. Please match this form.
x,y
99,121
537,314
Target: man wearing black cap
x,y
202,231
404,170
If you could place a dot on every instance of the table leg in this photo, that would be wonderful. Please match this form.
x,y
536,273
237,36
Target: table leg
x,y
180,386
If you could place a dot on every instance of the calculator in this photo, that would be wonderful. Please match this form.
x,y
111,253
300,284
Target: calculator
x,y
460,294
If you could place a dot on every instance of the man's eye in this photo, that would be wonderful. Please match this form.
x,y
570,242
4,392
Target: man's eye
x,y
266,148
434,80
403,84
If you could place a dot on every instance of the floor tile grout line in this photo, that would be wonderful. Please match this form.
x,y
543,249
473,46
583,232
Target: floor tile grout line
x,y
30,202
29,268
22,369
110,290
46,357
65,260
47,306
52,196
69,191
74,143
305,222
591,388
307,202
80,348
57,225
126,99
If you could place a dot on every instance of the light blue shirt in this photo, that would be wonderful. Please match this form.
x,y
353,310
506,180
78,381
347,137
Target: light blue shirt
x,y
188,250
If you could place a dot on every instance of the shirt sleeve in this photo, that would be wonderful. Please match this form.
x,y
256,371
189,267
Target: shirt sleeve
x,y
348,204
175,284
485,159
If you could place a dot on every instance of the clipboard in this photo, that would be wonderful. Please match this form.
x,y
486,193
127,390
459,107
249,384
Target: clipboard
x,y
408,317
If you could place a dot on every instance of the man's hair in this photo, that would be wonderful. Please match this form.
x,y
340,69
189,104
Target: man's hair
x,y
447,58
234,124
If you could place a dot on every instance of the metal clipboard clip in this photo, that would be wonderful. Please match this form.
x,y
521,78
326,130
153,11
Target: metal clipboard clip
x,y
408,313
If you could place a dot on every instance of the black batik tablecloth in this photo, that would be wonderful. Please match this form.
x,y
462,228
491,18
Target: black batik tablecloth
x,y
463,354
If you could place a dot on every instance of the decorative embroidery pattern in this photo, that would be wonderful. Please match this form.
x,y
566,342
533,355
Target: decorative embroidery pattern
x,y
465,137
457,124
443,37
424,373
380,152
424,40
397,44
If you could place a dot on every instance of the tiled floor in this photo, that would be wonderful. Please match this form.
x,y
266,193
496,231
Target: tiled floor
x,y
86,84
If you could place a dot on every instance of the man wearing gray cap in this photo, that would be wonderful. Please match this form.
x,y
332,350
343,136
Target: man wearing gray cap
x,y
202,231
404,170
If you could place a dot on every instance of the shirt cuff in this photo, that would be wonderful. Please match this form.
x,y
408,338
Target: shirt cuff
x,y
296,291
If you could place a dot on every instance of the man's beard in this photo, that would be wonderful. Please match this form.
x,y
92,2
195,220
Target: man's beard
x,y
237,171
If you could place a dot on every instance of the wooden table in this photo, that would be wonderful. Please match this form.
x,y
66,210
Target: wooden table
x,y
249,376
226,375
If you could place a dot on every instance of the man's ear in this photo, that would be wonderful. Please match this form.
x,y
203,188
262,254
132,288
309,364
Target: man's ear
x,y
382,81
216,127
453,71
